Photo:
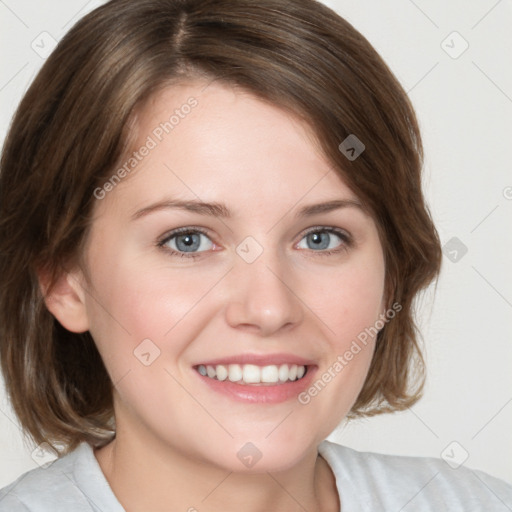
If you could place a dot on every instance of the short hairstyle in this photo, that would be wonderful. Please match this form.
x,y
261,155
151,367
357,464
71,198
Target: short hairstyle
x,y
72,128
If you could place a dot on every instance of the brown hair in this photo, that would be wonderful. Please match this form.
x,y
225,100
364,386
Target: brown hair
x,y
72,127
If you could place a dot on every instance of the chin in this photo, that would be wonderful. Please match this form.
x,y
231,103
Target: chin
x,y
256,454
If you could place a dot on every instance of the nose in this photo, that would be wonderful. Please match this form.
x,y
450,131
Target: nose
x,y
262,298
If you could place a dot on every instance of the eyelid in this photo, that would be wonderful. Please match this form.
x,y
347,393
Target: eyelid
x,y
347,240
178,231
344,235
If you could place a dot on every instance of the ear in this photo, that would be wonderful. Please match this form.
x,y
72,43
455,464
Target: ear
x,y
66,300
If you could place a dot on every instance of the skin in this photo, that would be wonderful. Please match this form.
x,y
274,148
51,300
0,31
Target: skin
x,y
177,439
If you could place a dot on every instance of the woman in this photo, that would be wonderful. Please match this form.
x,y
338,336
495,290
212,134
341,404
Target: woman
x,y
212,224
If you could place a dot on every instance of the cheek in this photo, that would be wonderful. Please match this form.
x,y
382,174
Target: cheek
x,y
350,299
172,307
133,303
350,307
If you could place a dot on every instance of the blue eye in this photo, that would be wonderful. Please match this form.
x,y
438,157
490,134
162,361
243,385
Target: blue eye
x,y
322,238
187,242
184,242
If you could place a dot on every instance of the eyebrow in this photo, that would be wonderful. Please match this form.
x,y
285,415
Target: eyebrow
x,y
220,210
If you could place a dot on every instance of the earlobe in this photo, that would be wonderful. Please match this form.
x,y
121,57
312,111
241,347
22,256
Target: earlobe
x,y
66,300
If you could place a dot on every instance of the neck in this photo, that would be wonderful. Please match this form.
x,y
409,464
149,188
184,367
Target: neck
x,y
172,480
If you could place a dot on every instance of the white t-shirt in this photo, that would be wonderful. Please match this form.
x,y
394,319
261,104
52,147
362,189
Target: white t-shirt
x,y
366,482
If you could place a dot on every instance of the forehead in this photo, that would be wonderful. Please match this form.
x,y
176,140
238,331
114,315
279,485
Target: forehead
x,y
217,142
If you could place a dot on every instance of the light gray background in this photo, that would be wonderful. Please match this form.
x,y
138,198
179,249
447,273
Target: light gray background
x,y
464,103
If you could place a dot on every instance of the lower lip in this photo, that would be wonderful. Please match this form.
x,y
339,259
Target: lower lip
x,y
267,393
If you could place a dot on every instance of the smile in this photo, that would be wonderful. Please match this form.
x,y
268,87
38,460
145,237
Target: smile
x,y
250,374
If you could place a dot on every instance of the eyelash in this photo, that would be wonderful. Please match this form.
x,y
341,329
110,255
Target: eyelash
x,y
344,236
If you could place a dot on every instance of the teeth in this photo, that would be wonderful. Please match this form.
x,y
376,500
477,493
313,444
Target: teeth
x,y
252,374
221,372
270,374
234,372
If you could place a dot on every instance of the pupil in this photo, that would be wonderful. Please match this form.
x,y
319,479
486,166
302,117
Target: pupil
x,y
320,240
188,241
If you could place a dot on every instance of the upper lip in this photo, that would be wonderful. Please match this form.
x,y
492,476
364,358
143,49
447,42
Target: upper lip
x,y
260,360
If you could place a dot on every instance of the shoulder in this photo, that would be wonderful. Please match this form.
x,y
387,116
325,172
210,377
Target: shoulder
x,y
413,483
52,488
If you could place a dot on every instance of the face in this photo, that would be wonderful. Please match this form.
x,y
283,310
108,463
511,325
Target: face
x,y
255,287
